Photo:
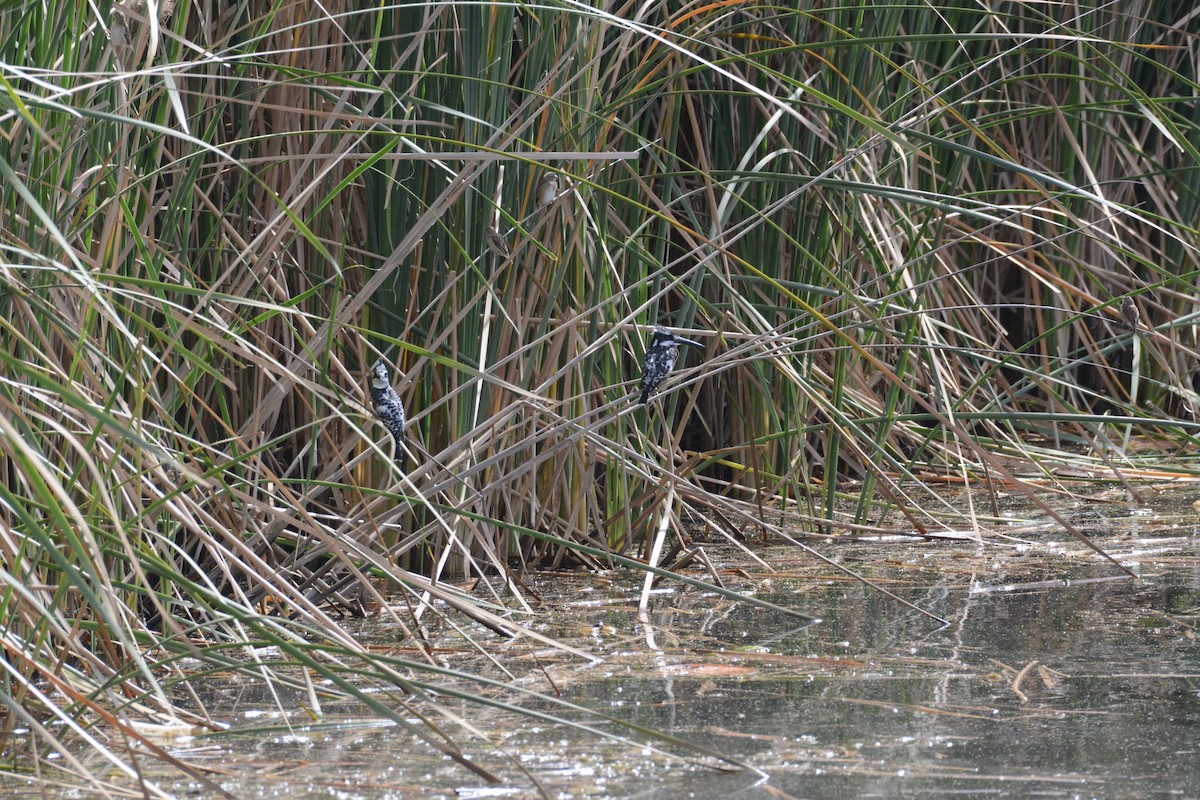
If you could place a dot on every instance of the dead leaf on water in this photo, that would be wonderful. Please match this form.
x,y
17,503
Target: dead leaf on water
x,y
707,671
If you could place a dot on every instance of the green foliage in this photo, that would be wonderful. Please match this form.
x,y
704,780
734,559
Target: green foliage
x,y
901,231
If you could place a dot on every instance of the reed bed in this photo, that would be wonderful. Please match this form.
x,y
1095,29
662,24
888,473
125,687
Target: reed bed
x,y
904,234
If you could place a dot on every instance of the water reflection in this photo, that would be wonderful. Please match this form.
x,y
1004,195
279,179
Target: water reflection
x,y
1052,680
1084,689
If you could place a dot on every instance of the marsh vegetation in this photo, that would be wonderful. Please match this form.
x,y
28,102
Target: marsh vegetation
x,y
920,246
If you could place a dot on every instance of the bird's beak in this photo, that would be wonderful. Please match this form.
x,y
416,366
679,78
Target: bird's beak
x,y
682,340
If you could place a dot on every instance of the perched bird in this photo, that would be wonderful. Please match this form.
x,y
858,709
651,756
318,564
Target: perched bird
x,y
1130,315
388,406
547,189
496,242
660,359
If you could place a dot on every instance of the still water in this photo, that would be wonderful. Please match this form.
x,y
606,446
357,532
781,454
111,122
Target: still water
x,y
1056,676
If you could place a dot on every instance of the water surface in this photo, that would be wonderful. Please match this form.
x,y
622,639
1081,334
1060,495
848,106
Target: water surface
x,y
1056,676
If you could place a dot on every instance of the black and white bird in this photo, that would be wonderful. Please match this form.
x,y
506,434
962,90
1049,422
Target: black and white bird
x,y
388,406
660,359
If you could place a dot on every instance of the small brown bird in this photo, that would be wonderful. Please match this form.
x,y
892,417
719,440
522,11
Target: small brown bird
x,y
547,189
1130,316
496,242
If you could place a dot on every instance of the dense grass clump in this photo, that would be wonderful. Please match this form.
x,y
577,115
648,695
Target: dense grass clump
x,y
904,235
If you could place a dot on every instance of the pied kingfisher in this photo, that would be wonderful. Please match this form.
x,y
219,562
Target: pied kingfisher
x,y
660,359
388,406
